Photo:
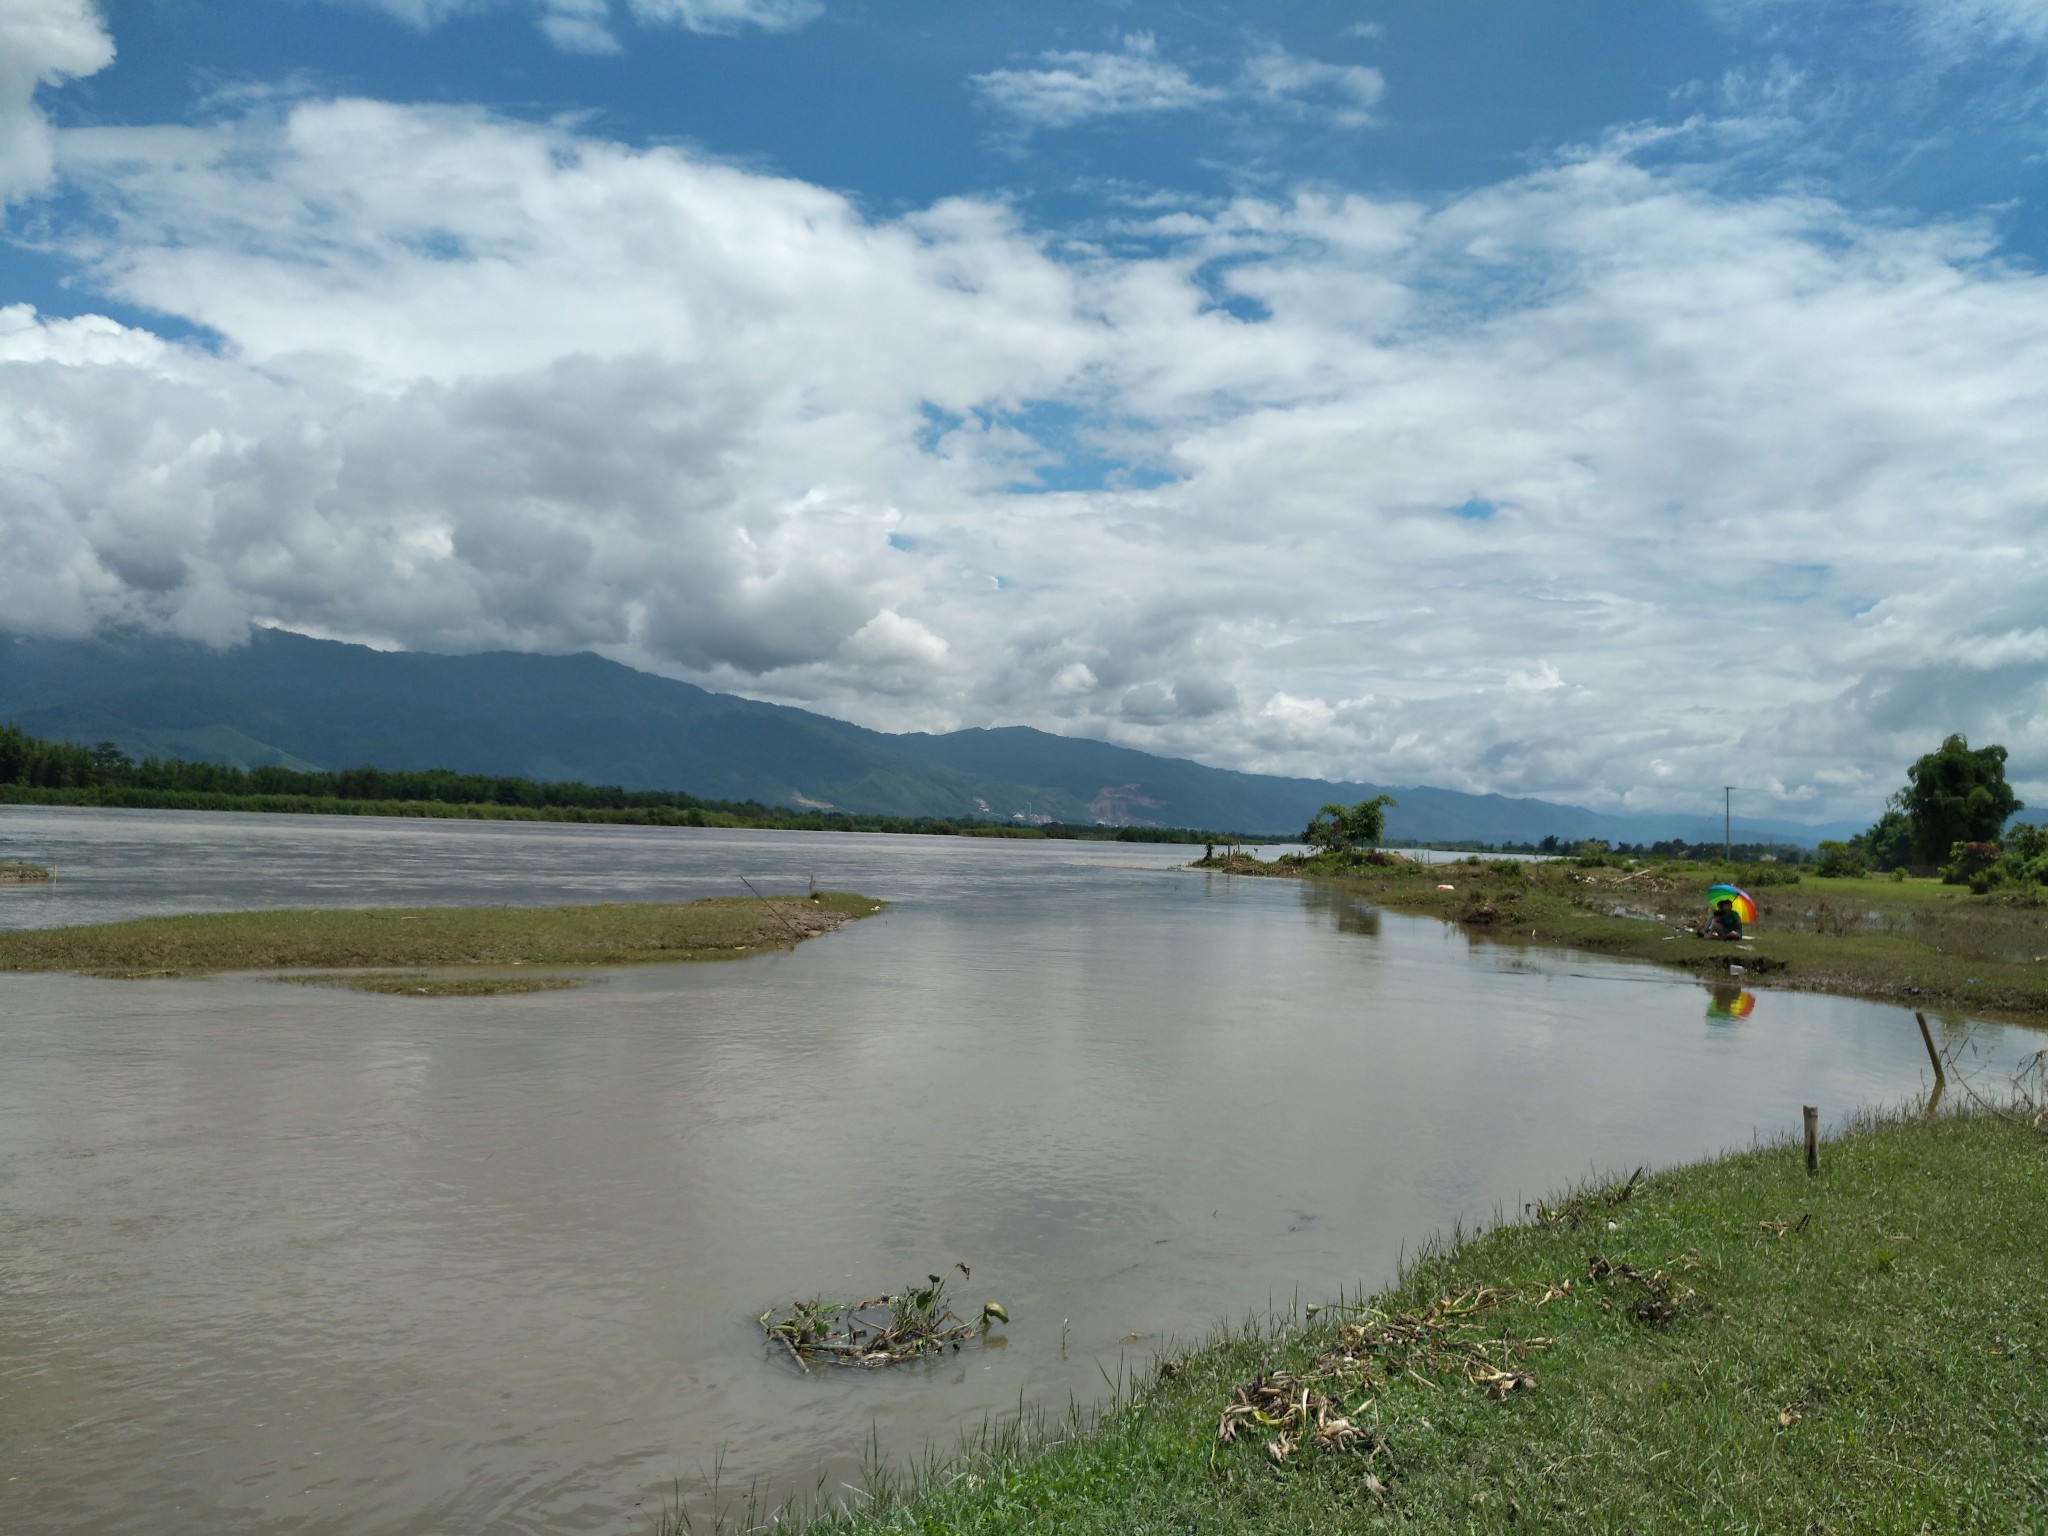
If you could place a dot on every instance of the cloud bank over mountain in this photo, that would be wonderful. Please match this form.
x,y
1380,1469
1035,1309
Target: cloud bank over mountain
x,y
1610,479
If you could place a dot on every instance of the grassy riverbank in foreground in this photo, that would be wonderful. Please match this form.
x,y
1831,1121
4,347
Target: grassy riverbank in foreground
x,y
1916,942
722,928
1732,1346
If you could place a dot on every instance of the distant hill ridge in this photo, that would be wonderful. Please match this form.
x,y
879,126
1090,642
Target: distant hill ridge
x,y
305,703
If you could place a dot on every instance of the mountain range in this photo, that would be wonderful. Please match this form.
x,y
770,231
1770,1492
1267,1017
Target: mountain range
x,y
288,699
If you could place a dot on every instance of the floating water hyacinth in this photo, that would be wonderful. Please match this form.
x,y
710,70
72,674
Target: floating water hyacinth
x,y
883,1330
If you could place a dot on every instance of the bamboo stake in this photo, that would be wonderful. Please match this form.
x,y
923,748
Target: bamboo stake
x,y
1927,1039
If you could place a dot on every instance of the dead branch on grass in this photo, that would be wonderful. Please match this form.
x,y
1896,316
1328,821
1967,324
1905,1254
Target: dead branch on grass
x,y
2026,1102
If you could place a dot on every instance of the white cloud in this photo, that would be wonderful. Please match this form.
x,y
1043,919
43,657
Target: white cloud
x,y
579,26
730,15
1072,87
1999,20
584,26
1345,94
42,42
1767,479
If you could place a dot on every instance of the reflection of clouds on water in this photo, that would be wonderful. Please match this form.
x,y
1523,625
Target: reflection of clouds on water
x,y
1731,1005
1353,913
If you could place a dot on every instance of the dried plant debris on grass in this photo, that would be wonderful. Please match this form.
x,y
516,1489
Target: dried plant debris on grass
x,y
1442,1338
1581,1208
1441,1345
1296,1410
1649,1295
891,1329
1776,1230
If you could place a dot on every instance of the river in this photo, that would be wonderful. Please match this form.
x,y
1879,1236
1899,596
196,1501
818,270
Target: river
x,y
284,1258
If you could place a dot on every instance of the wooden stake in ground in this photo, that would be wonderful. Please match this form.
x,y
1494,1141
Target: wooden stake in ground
x,y
1927,1039
1812,1114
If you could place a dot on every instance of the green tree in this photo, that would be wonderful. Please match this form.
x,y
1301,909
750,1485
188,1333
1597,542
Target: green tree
x,y
1341,828
110,765
1888,845
1956,795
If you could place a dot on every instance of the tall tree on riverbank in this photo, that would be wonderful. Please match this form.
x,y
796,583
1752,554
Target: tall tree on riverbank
x,y
1956,794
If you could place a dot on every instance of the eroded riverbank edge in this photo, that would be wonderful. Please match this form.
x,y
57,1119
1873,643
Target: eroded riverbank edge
x,y
1733,1342
377,943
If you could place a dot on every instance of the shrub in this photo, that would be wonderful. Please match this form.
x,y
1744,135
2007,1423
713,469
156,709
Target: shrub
x,y
1971,864
1841,861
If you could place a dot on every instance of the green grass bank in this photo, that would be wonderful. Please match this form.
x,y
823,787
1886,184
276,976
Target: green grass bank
x,y
1733,1346
1916,942
387,940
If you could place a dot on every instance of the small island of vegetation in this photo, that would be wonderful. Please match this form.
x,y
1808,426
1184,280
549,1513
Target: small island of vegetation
x,y
374,949
13,871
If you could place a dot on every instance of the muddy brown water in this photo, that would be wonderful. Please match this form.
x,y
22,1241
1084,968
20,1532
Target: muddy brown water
x,y
282,1258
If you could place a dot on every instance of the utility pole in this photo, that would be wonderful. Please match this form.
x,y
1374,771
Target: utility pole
x,y
1727,821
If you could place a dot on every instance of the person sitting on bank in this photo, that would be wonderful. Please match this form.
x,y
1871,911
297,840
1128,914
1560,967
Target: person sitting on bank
x,y
1722,923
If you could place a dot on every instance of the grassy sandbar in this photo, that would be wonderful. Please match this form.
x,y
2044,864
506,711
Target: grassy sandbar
x,y
14,872
722,928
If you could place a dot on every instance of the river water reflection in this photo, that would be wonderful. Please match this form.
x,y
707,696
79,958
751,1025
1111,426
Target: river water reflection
x,y
282,1258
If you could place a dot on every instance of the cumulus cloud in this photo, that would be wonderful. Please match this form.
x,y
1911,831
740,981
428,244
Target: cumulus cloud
x,y
1763,479
1072,87
42,42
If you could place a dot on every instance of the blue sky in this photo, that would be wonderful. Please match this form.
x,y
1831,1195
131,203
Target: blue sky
x,y
1604,401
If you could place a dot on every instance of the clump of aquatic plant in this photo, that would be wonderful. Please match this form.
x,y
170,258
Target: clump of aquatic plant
x,y
904,1325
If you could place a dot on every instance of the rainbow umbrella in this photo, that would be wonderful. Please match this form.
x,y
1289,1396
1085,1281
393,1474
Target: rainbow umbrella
x,y
1731,1010
1745,904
